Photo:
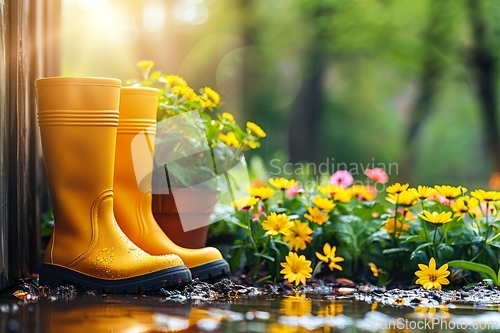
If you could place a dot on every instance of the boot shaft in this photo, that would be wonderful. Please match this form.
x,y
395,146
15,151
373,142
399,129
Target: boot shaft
x,y
78,119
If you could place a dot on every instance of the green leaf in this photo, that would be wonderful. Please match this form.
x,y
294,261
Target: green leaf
x,y
239,224
265,256
419,249
445,252
475,267
395,250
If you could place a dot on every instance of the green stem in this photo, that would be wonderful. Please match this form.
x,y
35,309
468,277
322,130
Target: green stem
x,y
426,231
434,244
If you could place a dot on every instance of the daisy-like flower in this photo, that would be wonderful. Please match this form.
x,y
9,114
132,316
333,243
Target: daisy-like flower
x,y
397,188
378,175
329,257
294,191
464,205
375,270
404,198
211,97
245,203
337,192
450,192
251,144
229,139
316,215
342,178
228,117
175,80
364,193
262,193
486,196
282,183
185,92
299,235
423,192
277,224
255,129
438,219
296,268
323,203
394,226
430,277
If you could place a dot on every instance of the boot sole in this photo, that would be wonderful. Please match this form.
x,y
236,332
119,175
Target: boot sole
x,y
169,278
211,271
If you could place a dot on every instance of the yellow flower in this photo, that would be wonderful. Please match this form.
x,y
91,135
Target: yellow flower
x,y
397,188
329,257
277,224
337,192
296,269
429,277
323,203
255,129
184,91
316,215
299,235
362,192
450,192
263,193
375,270
423,192
251,143
245,202
395,228
229,139
145,65
282,183
486,196
464,205
404,198
438,219
211,98
228,117
175,80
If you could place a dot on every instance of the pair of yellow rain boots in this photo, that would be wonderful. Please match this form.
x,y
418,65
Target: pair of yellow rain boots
x,y
86,127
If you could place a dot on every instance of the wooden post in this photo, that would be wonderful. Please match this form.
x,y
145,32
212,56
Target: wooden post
x,y
24,56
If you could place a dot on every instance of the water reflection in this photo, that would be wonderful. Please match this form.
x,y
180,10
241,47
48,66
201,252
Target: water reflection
x,y
298,313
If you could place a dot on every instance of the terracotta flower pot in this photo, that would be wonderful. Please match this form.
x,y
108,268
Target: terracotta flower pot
x,y
196,205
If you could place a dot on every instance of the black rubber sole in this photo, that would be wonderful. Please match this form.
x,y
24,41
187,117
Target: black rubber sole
x,y
211,271
169,278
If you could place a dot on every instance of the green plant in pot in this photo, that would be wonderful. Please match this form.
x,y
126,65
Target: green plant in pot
x,y
198,151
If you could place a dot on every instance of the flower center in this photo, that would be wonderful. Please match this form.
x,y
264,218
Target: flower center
x,y
432,277
295,269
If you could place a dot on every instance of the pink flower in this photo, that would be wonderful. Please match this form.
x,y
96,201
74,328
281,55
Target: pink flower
x,y
342,178
293,191
261,212
378,175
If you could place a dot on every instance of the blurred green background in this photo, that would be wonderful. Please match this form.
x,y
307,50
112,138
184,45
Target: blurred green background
x,y
407,83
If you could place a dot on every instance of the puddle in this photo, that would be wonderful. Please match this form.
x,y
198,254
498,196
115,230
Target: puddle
x,y
67,311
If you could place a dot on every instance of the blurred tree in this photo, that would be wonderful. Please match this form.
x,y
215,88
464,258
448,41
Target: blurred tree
x,y
436,38
484,62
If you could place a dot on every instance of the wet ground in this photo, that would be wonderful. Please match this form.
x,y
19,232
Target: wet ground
x,y
230,307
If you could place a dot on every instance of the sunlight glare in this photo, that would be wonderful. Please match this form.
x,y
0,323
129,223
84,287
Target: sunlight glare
x,y
191,12
153,16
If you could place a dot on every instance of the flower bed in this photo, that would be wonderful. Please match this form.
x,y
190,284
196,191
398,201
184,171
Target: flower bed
x,y
437,234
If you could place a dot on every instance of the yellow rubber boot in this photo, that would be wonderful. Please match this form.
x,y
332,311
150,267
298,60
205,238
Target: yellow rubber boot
x,y
78,119
133,197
